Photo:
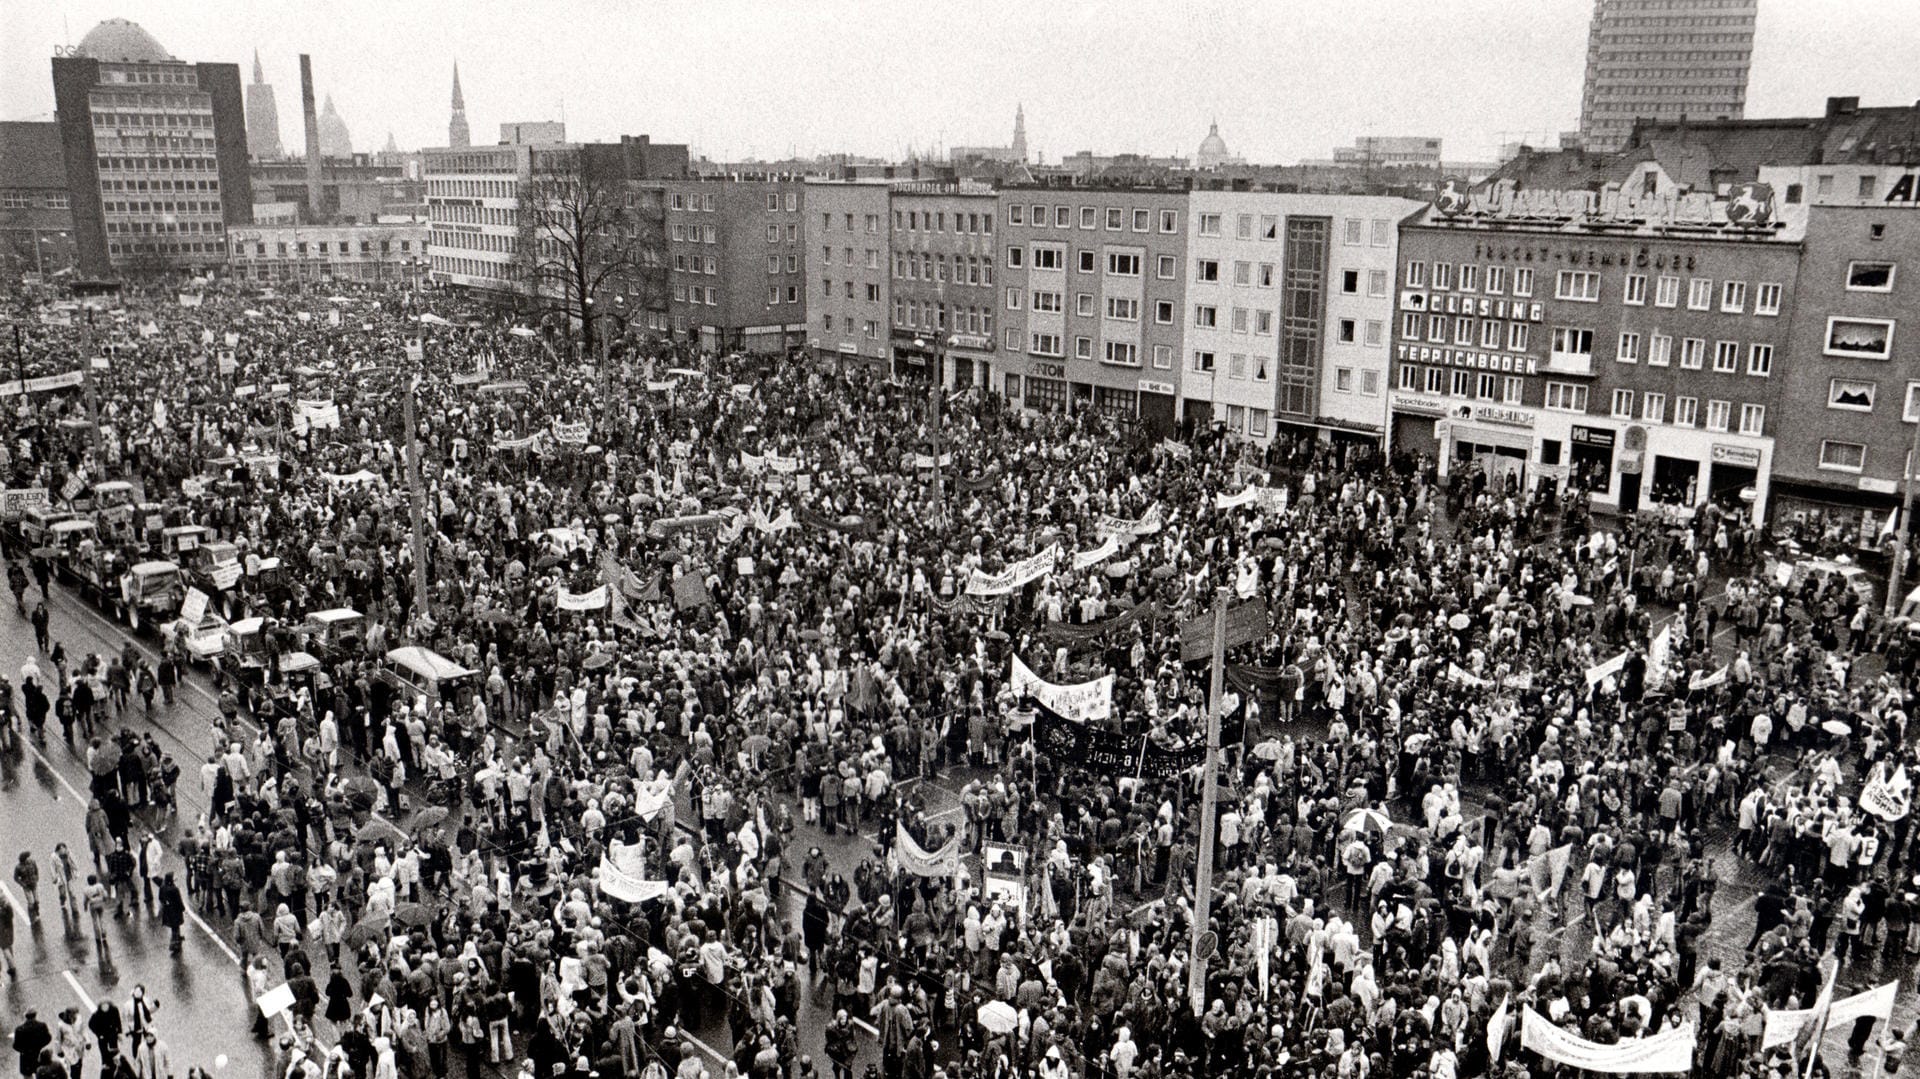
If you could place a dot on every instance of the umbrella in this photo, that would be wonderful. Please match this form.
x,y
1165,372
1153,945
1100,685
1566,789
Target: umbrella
x,y
548,561
429,817
1269,750
377,829
1573,600
522,331
412,914
998,1017
338,299
598,660
996,635
46,552
1361,819
496,616
431,319
1459,621
366,929
1834,726
106,759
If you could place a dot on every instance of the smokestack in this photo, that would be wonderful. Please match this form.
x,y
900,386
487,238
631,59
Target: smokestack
x,y
313,139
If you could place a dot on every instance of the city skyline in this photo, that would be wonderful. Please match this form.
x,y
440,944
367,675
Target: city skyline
x,y
775,101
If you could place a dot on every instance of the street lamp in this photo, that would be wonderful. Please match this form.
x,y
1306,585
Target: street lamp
x,y
938,372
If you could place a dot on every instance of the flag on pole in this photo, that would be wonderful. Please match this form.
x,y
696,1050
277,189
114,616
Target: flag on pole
x,y
1806,1044
1497,1027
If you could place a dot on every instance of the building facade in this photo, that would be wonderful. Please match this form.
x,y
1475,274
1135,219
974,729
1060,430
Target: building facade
x,y
1664,60
473,212
734,261
847,298
1289,308
328,252
1852,398
1091,281
263,116
943,296
1633,349
36,211
155,151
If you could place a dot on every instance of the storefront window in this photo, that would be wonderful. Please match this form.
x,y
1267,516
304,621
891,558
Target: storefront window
x,y
1047,394
1111,401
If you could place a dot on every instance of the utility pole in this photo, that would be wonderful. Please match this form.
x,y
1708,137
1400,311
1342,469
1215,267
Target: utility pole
x,y
1899,567
939,471
416,496
1210,791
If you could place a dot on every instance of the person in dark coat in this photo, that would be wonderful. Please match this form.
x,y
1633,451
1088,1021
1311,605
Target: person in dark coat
x,y
339,996
173,910
29,1038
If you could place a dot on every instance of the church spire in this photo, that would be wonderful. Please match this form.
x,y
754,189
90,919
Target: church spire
x,y
259,76
457,133
1020,132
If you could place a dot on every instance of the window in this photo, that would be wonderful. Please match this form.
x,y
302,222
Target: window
x,y
1866,186
1237,365
1045,344
1343,379
1666,292
1016,257
1636,290
1087,217
1049,258
1580,285
1518,334
1257,422
1726,356
1460,383
1870,277
1376,282
1469,278
1062,217
1123,309
1045,301
1239,320
1269,227
1496,279
1851,394
1843,456
1911,414
1436,380
1142,221
1349,282
1369,383
1083,304
1416,275
1686,411
1209,224
1653,407
1169,221
1512,388
1016,215
1760,360
1206,316
1523,281
1719,415
1382,232
1753,420
1437,329
1083,348
1566,397
1572,350
1699,293
1206,270
1623,404
1163,268
1349,331
1265,276
1490,334
1463,331
1629,349
1163,312
1243,227
1122,264
1203,361
1087,261
1243,273
1123,353
773,234
1013,299
1409,377
1733,297
1443,275
1353,234
1162,356
1861,338
1766,299
1693,353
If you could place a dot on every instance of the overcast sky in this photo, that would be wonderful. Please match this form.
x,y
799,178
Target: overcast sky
x,y
1287,79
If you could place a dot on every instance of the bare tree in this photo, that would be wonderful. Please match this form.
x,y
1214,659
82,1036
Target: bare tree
x,y
580,239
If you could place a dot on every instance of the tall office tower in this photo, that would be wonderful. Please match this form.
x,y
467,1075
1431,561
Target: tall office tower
x,y
1662,60
263,116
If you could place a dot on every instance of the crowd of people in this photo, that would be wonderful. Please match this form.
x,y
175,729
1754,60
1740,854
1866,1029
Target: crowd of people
x,y
701,617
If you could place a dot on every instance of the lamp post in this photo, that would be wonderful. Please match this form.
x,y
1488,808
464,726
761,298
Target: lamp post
x,y
938,374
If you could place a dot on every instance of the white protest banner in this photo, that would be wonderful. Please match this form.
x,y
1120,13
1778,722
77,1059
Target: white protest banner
x,y
783,464
1667,1051
1003,872
1465,677
333,317
245,390
514,443
1498,1025
1271,499
777,524
1177,449
275,1000
627,887
149,328
1783,1025
925,460
233,340
1244,498
1099,554
228,365
1079,702
194,607
1887,796
16,501
1704,680
1147,525
752,462
1014,577
190,299
573,433
921,862
226,575
583,601
1601,672
416,352
14,387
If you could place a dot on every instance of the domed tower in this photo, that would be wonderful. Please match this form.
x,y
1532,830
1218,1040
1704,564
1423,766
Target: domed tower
x,y
124,42
335,141
1213,149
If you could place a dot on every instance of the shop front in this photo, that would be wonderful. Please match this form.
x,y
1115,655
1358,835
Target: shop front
x,y
1494,440
1733,476
1044,387
1590,460
1410,424
969,358
1157,404
1687,468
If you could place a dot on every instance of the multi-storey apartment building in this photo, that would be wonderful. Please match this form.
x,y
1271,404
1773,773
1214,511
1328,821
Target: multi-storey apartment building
x,y
847,292
1664,60
1633,348
473,210
1092,283
734,260
321,252
155,152
1289,307
943,296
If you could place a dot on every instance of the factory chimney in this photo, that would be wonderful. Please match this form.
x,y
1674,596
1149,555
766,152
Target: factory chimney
x,y
315,211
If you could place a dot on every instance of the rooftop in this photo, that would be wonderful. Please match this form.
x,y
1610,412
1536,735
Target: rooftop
x,y
122,40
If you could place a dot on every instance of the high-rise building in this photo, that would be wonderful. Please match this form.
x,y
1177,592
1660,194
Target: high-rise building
x,y
263,115
458,137
1664,59
155,151
335,140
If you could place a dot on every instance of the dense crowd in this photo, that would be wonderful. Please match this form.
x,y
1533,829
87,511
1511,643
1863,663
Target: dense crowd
x,y
687,648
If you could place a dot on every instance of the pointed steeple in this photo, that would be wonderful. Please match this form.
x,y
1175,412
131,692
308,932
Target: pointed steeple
x,y
259,76
1020,132
457,133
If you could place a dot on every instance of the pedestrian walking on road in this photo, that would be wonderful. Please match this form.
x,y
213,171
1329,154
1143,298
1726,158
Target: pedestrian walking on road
x,y
29,1038
40,622
26,873
173,910
6,941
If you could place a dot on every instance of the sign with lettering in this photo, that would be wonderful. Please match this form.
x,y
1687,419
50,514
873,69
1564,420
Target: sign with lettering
x,y
1598,437
1046,369
1739,456
1506,417
16,501
1745,205
1150,386
1469,358
1420,406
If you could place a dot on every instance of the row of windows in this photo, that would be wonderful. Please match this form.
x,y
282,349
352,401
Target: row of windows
x,y
143,74
460,213
791,264
700,264
913,314
148,163
777,295
967,271
1090,217
1693,353
872,222
473,241
189,248
344,248
472,189
791,232
693,234
1646,407
936,221
1119,263
1517,335
872,290
869,329
469,267
775,201
163,184
149,228
190,206
1369,382
27,200
153,119
700,294
696,202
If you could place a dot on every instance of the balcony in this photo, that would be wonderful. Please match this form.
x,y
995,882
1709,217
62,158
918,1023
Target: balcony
x,y
1570,363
